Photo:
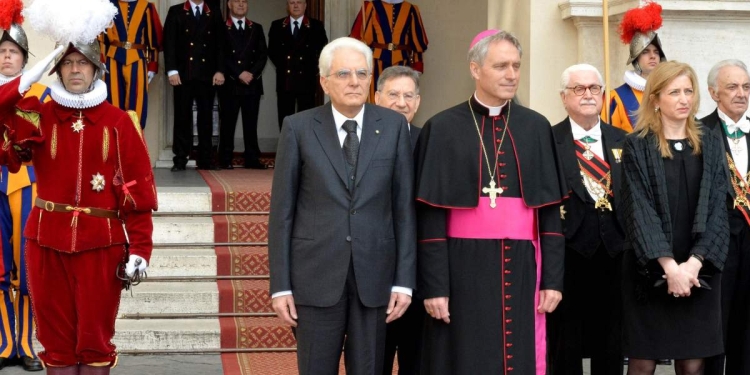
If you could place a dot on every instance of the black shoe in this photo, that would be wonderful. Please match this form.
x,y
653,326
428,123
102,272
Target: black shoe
x,y
226,166
255,165
31,364
177,168
5,362
207,167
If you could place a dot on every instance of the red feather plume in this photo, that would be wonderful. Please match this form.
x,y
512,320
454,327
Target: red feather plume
x,y
641,20
10,13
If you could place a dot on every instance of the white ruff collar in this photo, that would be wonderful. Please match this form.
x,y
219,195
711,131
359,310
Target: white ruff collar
x,y
79,101
5,79
634,80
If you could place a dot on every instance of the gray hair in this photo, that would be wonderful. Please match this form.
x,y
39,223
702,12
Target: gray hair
x,y
713,75
326,55
398,71
478,52
565,78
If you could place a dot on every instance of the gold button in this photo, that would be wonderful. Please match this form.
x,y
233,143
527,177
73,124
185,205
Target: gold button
x,y
239,62
191,59
289,57
204,60
300,57
288,71
191,43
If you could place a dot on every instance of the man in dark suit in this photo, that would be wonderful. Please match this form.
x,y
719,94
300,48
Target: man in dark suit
x,y
244,60
398,89
294,44
342,231
192,55
587,322
729,86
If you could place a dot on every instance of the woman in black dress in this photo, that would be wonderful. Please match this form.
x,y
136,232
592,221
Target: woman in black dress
x,y
674,194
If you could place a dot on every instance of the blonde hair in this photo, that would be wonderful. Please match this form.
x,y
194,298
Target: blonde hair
x,y
649,119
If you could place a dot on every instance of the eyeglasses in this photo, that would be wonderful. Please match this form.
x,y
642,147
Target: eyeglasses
x,y
344,74
580,90
409,97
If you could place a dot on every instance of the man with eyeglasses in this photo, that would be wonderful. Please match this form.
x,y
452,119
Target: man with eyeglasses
x,y
294,44
587,324
342,232
490,248
398,89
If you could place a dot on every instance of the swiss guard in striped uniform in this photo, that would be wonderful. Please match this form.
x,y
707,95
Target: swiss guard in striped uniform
x,y
394,31
17,191
638,29
131,47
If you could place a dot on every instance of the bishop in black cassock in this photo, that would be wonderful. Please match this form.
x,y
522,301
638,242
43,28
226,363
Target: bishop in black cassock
x,y
489,186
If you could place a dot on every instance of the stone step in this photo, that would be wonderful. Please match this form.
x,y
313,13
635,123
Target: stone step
x,y
183,229
162,334
183,262
184,199
171,298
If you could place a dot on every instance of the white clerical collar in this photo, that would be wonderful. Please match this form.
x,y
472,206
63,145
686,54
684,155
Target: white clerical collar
x,y
299,20
494,111
236,20
5,79
393,1
339,118
634,80
579,132
79,101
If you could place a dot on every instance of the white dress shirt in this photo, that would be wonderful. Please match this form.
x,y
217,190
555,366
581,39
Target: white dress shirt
x,y
236,21
299,22
339,119
738,149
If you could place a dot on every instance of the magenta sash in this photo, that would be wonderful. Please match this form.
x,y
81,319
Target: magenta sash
x,y
511,219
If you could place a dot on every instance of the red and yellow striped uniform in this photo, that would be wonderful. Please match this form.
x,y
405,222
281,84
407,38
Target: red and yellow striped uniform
x,y
17,194
394,32
131,48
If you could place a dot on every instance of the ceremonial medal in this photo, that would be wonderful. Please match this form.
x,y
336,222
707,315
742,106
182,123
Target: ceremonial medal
x,y
77,125
97,182
617,153
562,212
588,154
603,203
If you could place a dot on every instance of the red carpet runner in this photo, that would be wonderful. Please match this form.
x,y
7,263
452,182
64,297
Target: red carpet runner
x,y
245,190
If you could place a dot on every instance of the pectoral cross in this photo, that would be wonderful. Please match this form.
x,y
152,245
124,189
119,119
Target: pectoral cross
x,y
493,192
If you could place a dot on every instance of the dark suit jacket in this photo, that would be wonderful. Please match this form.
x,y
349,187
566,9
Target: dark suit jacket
x,y
580,201
414,134
245,51
317,227
193,48
645,204
296,62
736,219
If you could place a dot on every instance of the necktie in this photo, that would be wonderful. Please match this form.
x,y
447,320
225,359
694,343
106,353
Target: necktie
x,y
239,26
295,30
351,142
197,12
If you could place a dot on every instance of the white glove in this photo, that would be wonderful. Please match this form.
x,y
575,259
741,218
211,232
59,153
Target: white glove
x,y
130,268
34,74
151,76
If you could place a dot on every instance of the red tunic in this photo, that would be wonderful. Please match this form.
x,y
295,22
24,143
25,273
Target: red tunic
x,y
67,164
